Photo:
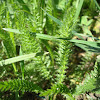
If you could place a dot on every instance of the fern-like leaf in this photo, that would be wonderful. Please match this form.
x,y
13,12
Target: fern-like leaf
x,y
56,89
20,85
90,82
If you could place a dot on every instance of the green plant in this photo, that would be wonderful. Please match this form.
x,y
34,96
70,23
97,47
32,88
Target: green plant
x,y
37,39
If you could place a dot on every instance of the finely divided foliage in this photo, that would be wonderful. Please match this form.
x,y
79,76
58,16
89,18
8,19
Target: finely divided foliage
x,y
35,35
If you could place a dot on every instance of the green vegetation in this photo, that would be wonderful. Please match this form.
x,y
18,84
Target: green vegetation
x,y
49,49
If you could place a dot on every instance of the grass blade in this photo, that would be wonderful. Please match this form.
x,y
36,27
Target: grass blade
x,y
97,4
25,7
89,43
53,18
88,48
37,35
12,30
9,45
17,59
47,37
22,64
78,10
49,49
83,35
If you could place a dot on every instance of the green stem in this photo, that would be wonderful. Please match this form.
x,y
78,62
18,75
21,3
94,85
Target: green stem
x,y
49,49
22,64
14,66
16,95
54,97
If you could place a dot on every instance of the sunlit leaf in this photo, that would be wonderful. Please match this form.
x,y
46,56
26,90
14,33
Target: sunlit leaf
x,y
53,18
12,30
37,35
17,59
89,43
